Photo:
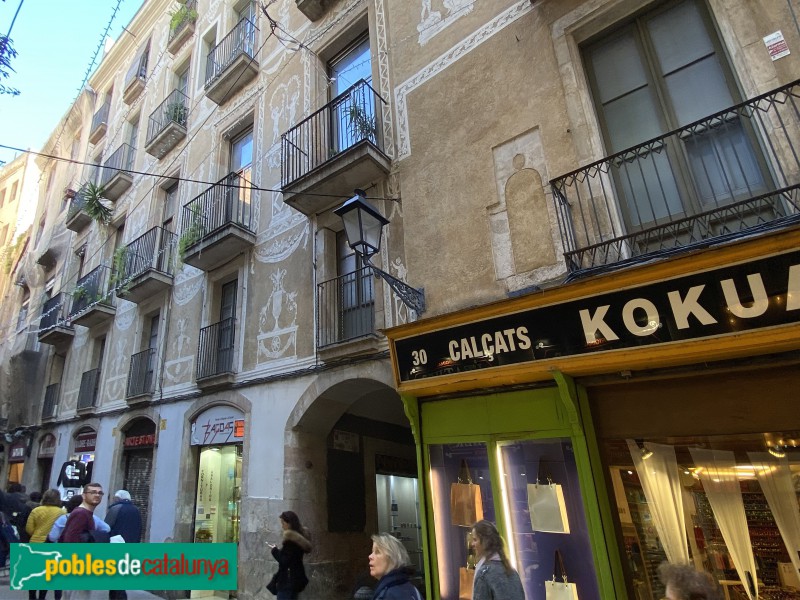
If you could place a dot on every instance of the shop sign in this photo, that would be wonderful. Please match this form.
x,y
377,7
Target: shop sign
x,y
47,446
16,453
732,299
140,441
85,442
218,425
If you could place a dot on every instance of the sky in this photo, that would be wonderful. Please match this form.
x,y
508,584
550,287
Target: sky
x,y
55,41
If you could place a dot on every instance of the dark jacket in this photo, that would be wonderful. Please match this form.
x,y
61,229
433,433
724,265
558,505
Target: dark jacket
x,y
396,586
291,574
124,519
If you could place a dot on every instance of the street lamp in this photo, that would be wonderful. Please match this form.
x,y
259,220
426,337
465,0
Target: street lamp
x,y
363,226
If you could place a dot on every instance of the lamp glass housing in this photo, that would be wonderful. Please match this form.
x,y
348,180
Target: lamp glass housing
x,y
363,225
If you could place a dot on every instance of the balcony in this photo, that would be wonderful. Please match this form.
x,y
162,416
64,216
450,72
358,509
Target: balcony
x,y
147,265
141,376
181,25
167,125
92,299
314,9
346,310
732,174
215,354
217,225
50,401
77,217
54,328
135,79
231,65
335,150
115,177
100,122
87,394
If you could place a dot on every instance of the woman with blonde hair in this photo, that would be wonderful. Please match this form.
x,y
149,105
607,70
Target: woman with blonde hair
x,y
39,524
494,575
390,565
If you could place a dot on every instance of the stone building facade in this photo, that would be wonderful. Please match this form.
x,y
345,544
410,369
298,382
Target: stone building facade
x,y
207,339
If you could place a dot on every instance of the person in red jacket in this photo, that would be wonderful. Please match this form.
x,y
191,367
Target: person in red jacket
x,y
81,520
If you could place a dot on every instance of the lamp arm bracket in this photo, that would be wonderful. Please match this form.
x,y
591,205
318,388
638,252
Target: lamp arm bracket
x,y
413,298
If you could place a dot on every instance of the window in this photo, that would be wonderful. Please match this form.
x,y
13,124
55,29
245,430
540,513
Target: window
x,y
227,324
4,235
237,207
152,346
138,68
13,196
40,230
80,255
2,197
133,134
660,72
353,104
22,316
182,80
247,33
168,227
356,294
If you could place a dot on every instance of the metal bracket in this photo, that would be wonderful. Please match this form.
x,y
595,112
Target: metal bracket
x,y
413,298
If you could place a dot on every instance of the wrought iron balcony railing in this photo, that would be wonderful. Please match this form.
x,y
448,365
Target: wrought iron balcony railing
x,y
92,288
101,116
174,109
53,313
345,308
215,349
76,203
121,161
141,376
348,119
185,15
50,400
240,40
152,250
87,394
733,173
224,203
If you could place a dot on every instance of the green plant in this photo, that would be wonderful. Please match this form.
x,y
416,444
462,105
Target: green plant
x,y
193,232
96,205
176,111
362,122
78,293
120,279
181,16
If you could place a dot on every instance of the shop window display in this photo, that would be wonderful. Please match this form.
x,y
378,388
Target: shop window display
x,y
530,485
218,500
726,504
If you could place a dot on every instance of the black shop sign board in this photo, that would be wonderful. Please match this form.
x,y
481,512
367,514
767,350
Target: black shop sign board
x,y
731,299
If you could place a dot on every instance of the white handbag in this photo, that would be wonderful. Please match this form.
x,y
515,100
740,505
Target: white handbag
x,y
560,590
547,508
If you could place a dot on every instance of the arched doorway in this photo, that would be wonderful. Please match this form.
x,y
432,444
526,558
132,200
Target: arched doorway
x,y
138,443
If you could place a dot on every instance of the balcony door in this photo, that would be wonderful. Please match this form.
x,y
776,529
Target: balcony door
x,y
227,323
247,32
152,346
352,108
237,205
356,293
665,70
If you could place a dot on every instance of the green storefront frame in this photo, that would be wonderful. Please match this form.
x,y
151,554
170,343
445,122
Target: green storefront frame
x,y
557,411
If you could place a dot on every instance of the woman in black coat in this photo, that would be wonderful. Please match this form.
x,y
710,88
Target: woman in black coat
x,y
291,578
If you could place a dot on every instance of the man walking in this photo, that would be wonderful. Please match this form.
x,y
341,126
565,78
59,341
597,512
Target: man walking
x,y
79,524
124,519
81,520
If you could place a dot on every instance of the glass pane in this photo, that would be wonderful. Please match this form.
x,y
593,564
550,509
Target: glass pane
x,y
698,91
398,513
544,518
351,67
650,189
729,503
632,119
679,37
617,66
452,466
218,498
242,152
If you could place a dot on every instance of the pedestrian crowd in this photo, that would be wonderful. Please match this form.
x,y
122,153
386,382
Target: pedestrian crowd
x,y
45,518
39,518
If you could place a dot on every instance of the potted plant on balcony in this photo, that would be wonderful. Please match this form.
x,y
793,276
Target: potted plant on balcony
x,y
193,233
96,205
120,280
184,14
176,111
362,123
